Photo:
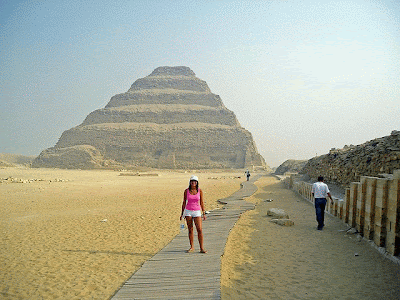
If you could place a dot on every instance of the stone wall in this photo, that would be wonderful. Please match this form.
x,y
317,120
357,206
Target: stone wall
x,y
73,157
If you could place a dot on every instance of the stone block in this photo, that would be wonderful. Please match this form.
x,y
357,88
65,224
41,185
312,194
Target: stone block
x,y
345,216
277,213
370,197
392,223
360,213
353,203
380,211
283,222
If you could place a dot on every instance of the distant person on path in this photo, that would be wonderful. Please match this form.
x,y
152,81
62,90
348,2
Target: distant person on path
x,y
320,191
247,173
192,211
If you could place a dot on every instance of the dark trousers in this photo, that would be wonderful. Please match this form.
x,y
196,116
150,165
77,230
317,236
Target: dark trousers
x,y
320,204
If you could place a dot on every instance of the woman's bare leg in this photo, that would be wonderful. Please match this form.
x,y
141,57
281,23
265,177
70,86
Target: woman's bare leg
x,y
189,222
199,226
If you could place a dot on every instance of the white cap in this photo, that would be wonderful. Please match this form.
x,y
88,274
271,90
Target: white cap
x,y
193,177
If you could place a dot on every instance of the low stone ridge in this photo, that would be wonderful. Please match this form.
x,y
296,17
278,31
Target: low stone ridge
x,y
9,159
342,166
290,166
4,164
169,119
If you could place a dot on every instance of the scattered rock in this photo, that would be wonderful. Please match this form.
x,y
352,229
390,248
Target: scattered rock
x,y
351,231
138,174
11,179
395,132
225,177
277,213
283,222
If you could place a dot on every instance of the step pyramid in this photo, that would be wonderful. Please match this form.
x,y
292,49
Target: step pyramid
x,y
168,119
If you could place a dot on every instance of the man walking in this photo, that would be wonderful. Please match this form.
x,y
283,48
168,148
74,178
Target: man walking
x,y
320,190
247,173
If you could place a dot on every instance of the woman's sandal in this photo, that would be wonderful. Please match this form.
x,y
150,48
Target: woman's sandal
x,y
203,251
190,250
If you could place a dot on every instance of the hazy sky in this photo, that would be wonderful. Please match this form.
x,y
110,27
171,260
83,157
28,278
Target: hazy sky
x,y
302,76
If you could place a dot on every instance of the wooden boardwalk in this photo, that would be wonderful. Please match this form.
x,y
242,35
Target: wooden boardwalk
x,y
174,274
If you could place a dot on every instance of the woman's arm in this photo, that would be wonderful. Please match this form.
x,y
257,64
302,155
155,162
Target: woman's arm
x,y
183,204
202,205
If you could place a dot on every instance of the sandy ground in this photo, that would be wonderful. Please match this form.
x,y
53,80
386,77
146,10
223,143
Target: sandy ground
x,y
263,260
83,235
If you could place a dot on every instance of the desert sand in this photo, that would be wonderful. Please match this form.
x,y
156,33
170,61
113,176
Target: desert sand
x,y
80,234
74,234
263,260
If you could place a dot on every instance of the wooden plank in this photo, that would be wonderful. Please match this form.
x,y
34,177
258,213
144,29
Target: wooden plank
x,y
174,274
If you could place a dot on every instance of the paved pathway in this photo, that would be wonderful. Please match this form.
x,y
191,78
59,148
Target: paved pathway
x,y
174,274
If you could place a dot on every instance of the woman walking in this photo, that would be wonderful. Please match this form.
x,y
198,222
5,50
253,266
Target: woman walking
x,y
192,211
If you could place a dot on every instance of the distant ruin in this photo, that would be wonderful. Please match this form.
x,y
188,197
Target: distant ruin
x,y
290,166
169,120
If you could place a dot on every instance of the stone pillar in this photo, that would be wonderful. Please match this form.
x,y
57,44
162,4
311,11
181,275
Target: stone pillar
x,y
303,189
353,203
370,197
291,181
345,216
381,211
312,199
360,214
333,206
392,224
340,208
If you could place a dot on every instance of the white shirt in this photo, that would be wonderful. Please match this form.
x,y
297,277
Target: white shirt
x,y
320,190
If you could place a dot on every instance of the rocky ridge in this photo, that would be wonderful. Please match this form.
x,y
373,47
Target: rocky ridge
x,y
378,158
169,119
290,165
